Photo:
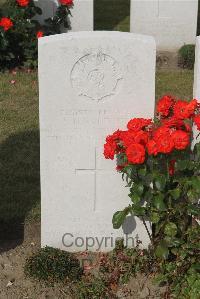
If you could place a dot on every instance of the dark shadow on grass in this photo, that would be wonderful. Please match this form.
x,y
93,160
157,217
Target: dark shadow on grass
x,y
19,185
109,13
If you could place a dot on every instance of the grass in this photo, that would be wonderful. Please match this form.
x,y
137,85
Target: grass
x,y
112,15
177,82
19,145
19,137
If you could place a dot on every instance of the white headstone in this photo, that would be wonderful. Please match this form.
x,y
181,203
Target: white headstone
x,y
90,83
196,87
173,23
82,13
48,9
82,18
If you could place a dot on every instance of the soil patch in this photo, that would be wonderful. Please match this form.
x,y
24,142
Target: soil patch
x,y
14,284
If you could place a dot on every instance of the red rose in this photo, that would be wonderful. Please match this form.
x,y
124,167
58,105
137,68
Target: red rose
x,y
181,139
176,123
6,23
114,137
183,109
66,2
40,34
164,105
180,109
137,124
136,153
197,121
173,122
171,167
23,3
165,144
127,138
187,127
192,105
163,130
110,150
141,137
152,147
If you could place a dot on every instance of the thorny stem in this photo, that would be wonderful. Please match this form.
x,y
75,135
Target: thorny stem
x,y
150,237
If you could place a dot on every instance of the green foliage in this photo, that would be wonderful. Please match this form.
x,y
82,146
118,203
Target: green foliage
x,y
115,269
172,204
94,289
182,272
187,56
165,188
119,218
53,265
18,45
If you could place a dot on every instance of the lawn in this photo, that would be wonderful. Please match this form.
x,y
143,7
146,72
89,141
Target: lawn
x,y
112,15
177,82
19,145
19,137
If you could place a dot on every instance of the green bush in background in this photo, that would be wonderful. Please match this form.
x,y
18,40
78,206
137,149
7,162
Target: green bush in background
x,y
187,56
18,44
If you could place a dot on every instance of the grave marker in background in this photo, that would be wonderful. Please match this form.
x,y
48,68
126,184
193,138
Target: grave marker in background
x,y
82,18
196,87
172,23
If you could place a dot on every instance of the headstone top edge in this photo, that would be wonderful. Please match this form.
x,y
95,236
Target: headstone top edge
x,y
198,39
97,34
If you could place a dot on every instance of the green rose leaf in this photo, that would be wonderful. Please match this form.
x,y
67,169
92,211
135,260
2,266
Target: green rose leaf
x,y
195,182
176,242
192,195
128,170
155,217
119,218
158,202
170,229
183,165
160,182
162,250
138,189
194,210
142,172
138,210
135,198
196,267
197,150
175,193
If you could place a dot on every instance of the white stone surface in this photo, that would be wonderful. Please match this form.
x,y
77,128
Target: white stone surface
x,y
82,13
196,90
173,23
196,86
90,83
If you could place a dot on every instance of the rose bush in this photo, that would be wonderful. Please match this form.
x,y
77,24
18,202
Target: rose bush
x,y
19,31
161,169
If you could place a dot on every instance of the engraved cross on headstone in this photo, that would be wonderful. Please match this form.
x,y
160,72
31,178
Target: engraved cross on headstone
x,y
94,171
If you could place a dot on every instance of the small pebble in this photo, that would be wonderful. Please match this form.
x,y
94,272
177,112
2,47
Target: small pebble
x,y
9,284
